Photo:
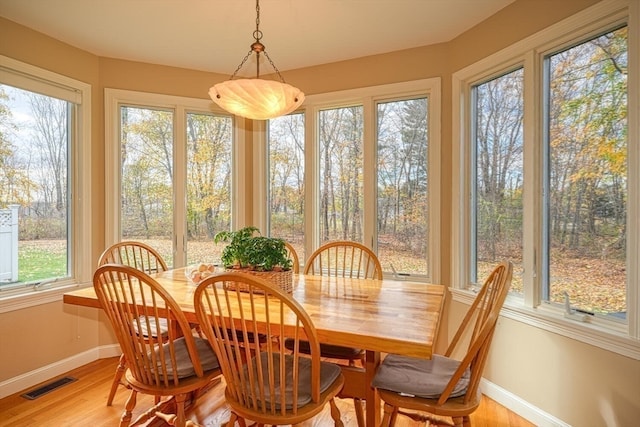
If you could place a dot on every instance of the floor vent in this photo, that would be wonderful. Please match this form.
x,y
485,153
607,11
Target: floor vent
x,y
34,394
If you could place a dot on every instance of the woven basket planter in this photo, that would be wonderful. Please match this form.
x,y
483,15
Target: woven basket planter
x,y
280,279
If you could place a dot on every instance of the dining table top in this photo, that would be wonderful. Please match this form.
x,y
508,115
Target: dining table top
x,y
388,316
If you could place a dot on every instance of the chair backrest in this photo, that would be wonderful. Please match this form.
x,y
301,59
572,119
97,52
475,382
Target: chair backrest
x,y
344,258
256,373
478,327
133,301
134,254
294,257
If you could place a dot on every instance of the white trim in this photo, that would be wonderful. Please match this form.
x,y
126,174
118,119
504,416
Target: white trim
x,y
29,379
521,407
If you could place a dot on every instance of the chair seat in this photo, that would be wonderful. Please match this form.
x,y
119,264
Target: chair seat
x,y
328,351
184,366
426,378
329,372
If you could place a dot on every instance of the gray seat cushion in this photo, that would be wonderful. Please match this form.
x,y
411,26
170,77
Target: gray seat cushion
x,y
419,377
184,367
329,372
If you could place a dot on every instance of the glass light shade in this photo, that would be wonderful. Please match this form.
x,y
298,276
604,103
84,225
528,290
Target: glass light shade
x,y
256,99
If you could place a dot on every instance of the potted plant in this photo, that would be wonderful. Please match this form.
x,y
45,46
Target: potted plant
x,y
266,257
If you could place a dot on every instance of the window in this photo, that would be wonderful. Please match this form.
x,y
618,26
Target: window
x,y
367,165
585,175
168,150
549,176
403,185
286,180
497,187
43,180
341,174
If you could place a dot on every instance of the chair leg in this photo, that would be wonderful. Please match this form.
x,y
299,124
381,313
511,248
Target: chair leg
x,y
232,421
117,379
179,418
390,415
335,413
125,420
464,421
357,403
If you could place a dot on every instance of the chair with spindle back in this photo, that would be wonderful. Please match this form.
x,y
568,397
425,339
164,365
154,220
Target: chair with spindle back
x,y
295,261
142,257
264,382
178,364
344,258
444,386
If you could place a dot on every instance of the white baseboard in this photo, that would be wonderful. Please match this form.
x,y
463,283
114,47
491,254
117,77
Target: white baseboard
x,y
37,376
521,407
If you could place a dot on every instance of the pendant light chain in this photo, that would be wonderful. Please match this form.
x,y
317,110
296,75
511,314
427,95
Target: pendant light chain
x,y
258,48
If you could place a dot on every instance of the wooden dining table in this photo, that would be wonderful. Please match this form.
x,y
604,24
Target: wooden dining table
x,y
379,316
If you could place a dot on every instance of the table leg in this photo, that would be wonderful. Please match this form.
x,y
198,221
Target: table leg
x,y
371,364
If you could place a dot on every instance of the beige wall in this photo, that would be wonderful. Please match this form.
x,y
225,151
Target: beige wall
x,y
575,382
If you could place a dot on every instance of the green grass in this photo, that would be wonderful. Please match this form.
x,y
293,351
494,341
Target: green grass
x,y
38,263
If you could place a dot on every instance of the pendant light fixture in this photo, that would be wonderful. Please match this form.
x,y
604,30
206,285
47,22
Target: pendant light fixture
x,y
256,98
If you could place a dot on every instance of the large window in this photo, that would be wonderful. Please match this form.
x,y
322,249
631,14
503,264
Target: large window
x,y
356,165
175,163
549,176
497,186
585,175
286,180
43,128
341,174
403,184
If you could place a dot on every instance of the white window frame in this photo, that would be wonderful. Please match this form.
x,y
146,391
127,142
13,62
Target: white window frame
x,y
35,79
366,97
530,53
180,106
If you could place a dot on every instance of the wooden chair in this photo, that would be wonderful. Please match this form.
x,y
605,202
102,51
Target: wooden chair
x,y
134,254
265,383
179,366
294,257
144,258
444,386
343,258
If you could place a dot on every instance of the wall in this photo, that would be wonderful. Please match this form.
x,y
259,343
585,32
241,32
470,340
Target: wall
x,y
571,381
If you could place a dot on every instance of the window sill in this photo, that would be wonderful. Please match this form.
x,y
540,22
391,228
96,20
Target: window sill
x,y
32,297
613,339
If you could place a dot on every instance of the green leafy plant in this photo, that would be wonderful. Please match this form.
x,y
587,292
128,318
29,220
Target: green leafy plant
x,y
246,250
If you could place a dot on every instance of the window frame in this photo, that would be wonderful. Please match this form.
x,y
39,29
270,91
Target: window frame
x,y
35,79
368,98
530,54
180,107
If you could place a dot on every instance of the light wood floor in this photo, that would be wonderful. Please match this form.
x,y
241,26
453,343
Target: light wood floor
x,y
83,403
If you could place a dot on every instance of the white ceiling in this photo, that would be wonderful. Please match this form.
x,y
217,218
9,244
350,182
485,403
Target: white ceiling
x,y
214,35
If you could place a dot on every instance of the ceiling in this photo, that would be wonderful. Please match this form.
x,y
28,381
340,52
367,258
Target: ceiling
x,y
214,35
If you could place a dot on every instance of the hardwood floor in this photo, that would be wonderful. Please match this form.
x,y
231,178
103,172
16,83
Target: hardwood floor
x,y
83,403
